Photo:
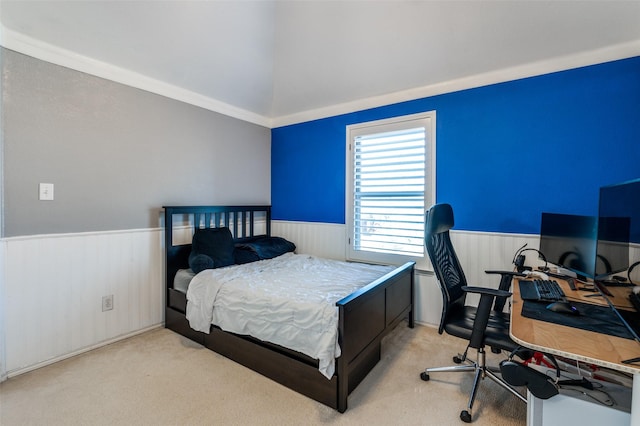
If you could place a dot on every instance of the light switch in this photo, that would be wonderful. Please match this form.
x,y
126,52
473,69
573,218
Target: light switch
x,y
46,191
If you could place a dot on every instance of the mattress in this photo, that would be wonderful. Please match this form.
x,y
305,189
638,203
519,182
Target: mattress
x,y
289,300
182,279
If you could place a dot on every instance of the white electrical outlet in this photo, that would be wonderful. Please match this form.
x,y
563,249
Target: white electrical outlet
x,y
46,192
107,303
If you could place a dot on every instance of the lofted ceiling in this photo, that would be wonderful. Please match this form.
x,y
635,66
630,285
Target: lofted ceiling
x,y
275,62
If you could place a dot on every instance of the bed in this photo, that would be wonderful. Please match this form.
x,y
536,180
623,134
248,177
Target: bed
x,y
364,316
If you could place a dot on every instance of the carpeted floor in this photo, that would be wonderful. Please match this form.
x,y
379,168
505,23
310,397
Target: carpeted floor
x,y
161,378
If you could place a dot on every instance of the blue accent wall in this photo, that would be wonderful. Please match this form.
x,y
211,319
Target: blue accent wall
x,y
505,152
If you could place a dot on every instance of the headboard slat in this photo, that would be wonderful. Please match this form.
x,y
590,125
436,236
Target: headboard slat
x,y
176,255
235,224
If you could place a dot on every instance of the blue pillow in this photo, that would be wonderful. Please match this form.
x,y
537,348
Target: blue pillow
x,y
216,243
265,247
200,262
244,255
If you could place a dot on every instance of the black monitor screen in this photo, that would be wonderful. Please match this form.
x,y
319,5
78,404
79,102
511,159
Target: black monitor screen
x,y
619,216
613,245
569,241
623,200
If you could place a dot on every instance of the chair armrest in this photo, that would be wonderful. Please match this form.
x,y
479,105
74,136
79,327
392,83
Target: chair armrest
x,y
488,291
506,277
511,273
483,312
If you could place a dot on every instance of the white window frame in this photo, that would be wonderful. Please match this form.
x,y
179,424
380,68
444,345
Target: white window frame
x,y
426,120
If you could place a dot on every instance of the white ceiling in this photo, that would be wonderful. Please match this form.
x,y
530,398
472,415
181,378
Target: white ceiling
x,y
274,62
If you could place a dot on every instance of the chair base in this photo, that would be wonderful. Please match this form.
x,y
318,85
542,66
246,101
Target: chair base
x,y
481,371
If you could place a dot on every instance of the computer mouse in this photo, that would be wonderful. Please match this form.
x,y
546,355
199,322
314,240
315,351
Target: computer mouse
x,y
563,308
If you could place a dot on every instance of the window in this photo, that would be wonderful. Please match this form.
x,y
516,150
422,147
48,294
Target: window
x,y
390,183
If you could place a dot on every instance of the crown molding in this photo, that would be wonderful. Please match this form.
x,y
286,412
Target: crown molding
x,y
607,54
38,49
47,52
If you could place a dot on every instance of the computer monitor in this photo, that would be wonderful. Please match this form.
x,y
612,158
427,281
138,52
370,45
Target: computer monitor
x,y
619,218
619,214
569,241
612,251
623,200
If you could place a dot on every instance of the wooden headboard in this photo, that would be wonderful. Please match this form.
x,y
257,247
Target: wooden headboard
x,y
243,221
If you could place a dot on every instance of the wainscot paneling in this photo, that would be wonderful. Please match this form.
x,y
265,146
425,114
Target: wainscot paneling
x,y
53,287
3,369
318,239
477,251
483,251
634,256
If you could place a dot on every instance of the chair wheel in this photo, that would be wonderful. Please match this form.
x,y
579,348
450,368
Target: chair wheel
x,y
465,416
457,359
424,376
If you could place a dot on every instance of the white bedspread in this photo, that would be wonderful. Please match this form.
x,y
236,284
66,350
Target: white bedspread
x,y
289,300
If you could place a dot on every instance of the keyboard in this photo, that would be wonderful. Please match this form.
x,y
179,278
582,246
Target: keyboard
x,y
541,290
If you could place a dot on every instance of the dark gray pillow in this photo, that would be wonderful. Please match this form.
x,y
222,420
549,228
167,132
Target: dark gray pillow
x,y
265,247
244,254
200,262
216,243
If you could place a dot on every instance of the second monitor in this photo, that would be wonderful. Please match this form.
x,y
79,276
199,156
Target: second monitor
x,y
570,241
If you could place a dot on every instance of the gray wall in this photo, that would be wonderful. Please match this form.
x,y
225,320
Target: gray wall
x,y
116,154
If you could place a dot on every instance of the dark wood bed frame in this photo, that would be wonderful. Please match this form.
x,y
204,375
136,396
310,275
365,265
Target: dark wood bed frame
x,y
365,316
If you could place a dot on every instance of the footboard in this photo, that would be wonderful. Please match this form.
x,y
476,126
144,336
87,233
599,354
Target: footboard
x,y
366,316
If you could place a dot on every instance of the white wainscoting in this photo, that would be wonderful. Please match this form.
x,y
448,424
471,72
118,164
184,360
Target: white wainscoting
x,y
634,256
3,345
477,251
52,288
318,239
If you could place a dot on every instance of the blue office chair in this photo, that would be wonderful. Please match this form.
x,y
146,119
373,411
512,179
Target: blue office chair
x,y
481,326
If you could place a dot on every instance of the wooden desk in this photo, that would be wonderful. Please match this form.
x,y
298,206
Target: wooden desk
x,y
573,343
596,348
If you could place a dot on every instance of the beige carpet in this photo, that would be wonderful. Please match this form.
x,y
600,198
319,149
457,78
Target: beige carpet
x,y
161,378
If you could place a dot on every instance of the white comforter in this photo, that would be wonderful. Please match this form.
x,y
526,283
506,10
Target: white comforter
x,y
289,300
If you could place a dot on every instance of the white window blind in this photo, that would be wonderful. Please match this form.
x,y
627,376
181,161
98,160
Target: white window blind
x,y
389,170
390,183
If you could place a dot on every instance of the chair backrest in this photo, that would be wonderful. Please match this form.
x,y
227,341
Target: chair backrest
x,y
438,221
